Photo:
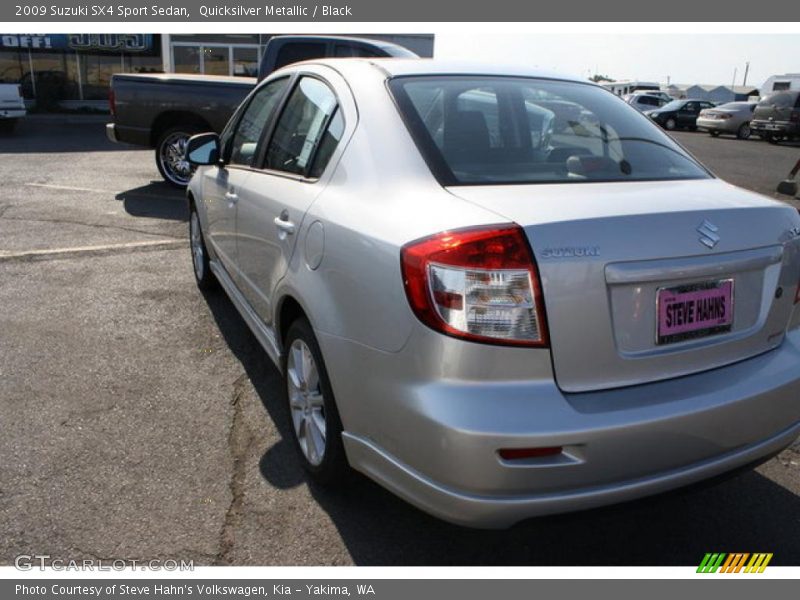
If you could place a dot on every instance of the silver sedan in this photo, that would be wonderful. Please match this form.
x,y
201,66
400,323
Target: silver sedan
x,y
499,293
732,118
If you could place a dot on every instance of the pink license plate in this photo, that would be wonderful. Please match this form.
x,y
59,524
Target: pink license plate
x,y
696,310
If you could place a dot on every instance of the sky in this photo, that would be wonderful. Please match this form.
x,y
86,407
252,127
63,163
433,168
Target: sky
x,y
681,58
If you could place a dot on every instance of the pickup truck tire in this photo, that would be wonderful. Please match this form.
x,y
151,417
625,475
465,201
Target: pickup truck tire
x,y
200,265
171,154
316,426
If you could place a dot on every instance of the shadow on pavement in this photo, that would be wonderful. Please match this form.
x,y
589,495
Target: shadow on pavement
x,y
156,200
279,465
60,133
747,513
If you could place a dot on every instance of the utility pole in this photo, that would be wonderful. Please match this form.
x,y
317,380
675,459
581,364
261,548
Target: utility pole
x,y
746,70
734,77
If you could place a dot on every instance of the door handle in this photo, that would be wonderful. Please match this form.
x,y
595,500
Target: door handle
x,y
284,225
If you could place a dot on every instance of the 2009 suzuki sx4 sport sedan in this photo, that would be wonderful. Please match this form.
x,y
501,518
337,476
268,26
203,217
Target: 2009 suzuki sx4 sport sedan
x,y
499,293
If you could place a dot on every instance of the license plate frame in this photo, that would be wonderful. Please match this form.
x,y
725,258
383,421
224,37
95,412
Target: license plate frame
x,y
714,327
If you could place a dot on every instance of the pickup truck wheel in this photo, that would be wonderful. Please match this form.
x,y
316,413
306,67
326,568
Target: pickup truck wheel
x,y
202,271
171,155
316,427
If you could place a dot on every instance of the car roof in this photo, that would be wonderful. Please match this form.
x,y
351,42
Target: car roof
x,y
402,67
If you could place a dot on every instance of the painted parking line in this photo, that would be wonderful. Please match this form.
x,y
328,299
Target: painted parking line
x,y
91,250
72,188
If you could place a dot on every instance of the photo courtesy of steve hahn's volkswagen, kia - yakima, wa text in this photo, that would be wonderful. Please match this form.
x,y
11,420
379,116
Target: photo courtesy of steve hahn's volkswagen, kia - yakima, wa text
x,y
356,298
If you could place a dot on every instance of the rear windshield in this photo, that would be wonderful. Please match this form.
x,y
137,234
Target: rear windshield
x,y
497,130
782,100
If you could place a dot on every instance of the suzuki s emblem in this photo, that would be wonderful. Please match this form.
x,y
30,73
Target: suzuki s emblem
x,y
708,234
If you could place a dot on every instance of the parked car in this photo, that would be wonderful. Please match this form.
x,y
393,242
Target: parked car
x,y
489,320
733,118
777,117
664,96
12,106
679,114
645,102
162,111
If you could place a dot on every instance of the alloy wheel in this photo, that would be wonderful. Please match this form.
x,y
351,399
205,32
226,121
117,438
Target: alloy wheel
x,y
172,156
306,402
196,242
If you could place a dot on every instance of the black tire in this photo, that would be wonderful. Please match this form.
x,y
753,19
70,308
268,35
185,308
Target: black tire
x,y
713,133
744,132
333,469
772,139
175,172
670,124
199,252
8,125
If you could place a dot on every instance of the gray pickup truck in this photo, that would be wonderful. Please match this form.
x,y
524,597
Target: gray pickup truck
x,y
162,111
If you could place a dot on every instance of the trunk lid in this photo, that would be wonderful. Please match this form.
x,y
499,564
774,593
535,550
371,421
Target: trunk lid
x,y
605,250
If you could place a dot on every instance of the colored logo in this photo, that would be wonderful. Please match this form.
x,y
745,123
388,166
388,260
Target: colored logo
x,y
736,562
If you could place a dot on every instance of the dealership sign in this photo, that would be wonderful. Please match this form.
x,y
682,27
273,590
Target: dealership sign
x,y
92,42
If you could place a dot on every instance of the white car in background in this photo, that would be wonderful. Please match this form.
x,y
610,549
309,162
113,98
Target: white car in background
x,y
647,100
12,106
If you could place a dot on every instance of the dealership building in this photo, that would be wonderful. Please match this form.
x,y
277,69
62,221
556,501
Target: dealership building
x,y
75,69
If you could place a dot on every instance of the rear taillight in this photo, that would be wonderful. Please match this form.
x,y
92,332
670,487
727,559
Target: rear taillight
x,y
112,102
479,284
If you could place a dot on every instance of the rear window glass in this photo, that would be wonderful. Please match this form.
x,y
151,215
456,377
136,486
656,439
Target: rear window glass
x,y
293,52
495,130
781,100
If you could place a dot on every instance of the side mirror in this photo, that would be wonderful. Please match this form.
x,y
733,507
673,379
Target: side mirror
x,y
203,149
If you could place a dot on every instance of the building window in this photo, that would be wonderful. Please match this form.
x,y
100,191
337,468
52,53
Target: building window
x,y
215,59
186,59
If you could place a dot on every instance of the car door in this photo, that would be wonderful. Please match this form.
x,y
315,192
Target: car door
x,y
275,199
687,114
222,184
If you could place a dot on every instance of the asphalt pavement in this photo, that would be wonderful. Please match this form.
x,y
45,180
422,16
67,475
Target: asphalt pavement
x,y
141,419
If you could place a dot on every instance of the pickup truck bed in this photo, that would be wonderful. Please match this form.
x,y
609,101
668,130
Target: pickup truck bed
x,y
143,112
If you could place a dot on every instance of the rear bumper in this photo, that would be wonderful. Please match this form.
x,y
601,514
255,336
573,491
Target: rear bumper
x,y
128,135
12,113
775,127
434,443
111,132
493,512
